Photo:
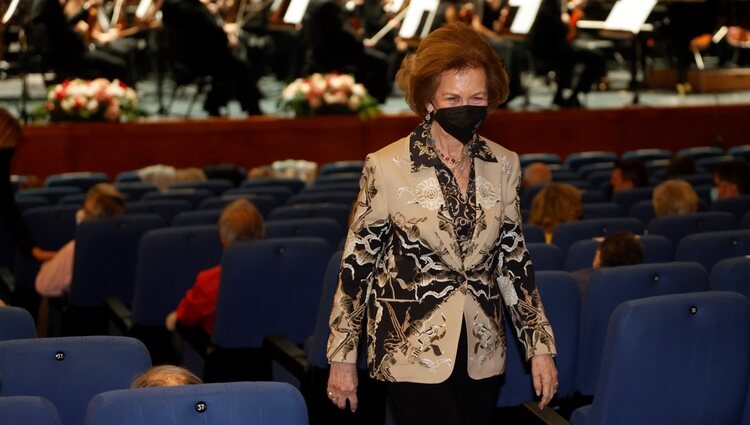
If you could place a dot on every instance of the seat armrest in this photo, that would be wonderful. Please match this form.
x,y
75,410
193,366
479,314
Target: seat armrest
x,y
197,338
120,315
545,416
288,354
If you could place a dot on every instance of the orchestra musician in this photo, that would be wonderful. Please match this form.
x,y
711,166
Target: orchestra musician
x,y
551,49
198,44
62,44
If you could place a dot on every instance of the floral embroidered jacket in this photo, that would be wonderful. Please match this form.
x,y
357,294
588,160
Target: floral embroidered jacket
x,y
404,267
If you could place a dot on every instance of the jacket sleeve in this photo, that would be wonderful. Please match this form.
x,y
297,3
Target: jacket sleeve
x,y
368,234
516,274
199,303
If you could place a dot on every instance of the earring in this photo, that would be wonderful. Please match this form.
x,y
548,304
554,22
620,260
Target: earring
x,y
428,116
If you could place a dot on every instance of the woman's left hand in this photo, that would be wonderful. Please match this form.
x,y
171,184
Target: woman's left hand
x,y
544,375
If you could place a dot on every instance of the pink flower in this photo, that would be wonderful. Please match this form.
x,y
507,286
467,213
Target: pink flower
x,y
113,112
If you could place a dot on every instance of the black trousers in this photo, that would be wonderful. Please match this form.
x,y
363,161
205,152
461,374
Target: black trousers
x,y
459,400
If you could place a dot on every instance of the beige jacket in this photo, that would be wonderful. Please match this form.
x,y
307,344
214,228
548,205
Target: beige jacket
x,y
403,267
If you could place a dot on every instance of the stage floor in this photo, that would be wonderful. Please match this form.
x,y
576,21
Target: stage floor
x,y
540,97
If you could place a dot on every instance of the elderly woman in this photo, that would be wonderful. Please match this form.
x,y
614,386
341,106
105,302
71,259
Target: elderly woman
x,y
674,197
436,248
557,203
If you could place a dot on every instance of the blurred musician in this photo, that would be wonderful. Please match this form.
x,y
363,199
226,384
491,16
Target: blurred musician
x,y
551,49
63,47
198,44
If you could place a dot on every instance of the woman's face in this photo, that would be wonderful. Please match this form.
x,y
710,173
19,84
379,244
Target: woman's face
x,y
460,87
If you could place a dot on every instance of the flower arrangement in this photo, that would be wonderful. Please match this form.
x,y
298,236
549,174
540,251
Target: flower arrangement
x,y
94,100
328,94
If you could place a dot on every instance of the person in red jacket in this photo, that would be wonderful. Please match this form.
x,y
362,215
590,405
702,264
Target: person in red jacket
x,y
240,221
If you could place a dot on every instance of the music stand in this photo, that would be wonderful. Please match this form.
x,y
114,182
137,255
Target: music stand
x,y
415,18
626,20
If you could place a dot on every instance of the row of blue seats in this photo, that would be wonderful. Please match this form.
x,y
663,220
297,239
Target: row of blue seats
x,y
71,381
577,160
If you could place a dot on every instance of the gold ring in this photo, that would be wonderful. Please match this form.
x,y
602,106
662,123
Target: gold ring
x,y
330,395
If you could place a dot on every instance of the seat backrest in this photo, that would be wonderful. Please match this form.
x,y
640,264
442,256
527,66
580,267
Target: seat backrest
x,y
264,203
280,193
167,209
731,274
52,226
69,371
646,154
710,247
698,152
106,256
675,227
609,287
169,260
561,301
321,227
84,180
16,323
576,160
196,218
266,288
745,221
673,359
294,184
334,197
215,186
338,212
315,346
135,189
545,257
626,198
737,206
193,196
533,233
643,211
656,249
602,210
338,167
545,157
566,234
52,194
28,410
235,403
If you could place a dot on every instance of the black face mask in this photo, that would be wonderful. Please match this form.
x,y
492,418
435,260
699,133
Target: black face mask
x,y
461,122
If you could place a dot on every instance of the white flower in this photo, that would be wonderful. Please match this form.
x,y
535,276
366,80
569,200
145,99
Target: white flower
x,y
359,90
92,105
354,102
487,195
508,290
429,195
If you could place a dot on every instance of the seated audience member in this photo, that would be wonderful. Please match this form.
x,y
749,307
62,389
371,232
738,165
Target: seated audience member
x,y
731,179
616,249
674,197
628,174
54,277
557,203
240,221
682,166
162,176
536,173
165,376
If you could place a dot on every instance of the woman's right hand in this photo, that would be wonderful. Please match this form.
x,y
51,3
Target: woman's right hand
x,y
342,385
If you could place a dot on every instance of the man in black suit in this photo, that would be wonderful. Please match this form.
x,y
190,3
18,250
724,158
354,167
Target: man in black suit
x,y
199,45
